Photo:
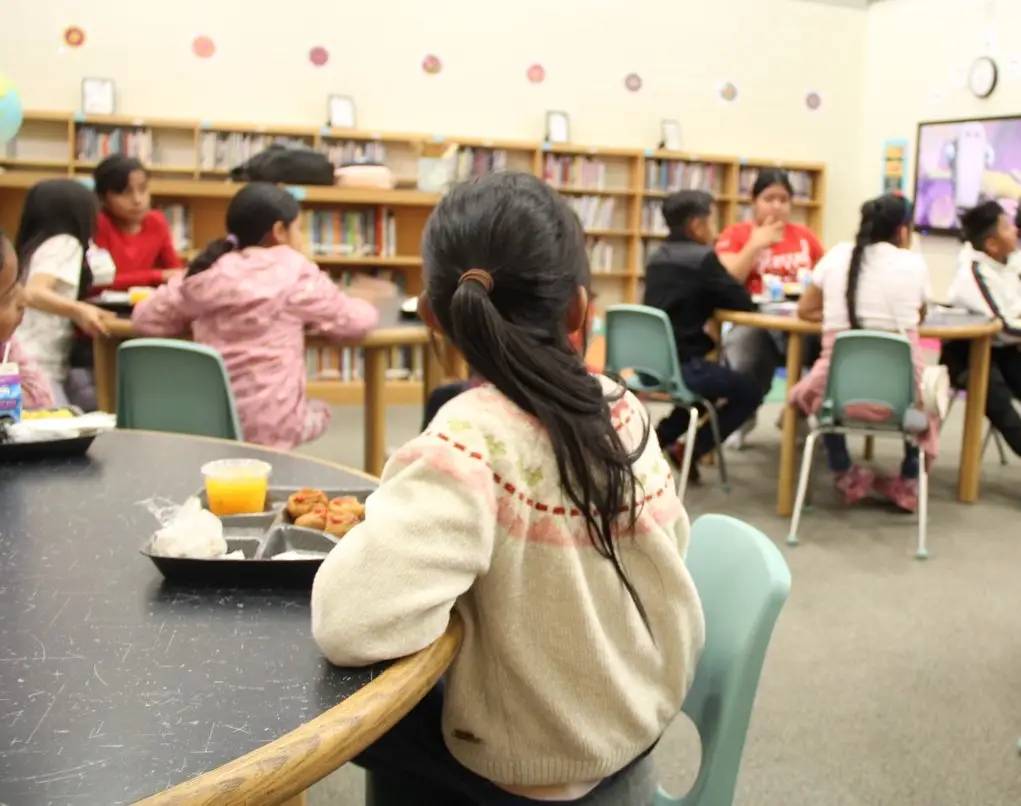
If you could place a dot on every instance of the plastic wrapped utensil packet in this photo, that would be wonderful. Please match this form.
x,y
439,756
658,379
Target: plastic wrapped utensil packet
x,y
187,531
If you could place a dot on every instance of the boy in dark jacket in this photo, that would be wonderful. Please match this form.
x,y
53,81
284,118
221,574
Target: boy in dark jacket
x,y
685,279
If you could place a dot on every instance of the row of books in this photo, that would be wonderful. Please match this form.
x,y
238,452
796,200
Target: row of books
x,y
179,222
672,175
801,181
600,254
353,152
652,217
472,163
347,363
93,145
221,152
350,232
574,172
595,212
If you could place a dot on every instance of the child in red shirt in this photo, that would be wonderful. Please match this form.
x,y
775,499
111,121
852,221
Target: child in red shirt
x,y
135,235
770,244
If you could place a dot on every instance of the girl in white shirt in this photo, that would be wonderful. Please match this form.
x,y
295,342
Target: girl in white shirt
x,y
876,283
54,243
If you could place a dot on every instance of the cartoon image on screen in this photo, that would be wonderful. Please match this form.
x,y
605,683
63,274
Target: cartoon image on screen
x,y
962,163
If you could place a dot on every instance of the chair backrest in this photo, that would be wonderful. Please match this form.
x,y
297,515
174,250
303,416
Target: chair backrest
x,y
743,581
640,340
873,368
177,386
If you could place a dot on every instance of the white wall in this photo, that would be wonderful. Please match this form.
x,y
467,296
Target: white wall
x,y
912,48
775,51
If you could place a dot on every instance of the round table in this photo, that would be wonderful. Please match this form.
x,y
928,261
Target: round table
x,y
115,686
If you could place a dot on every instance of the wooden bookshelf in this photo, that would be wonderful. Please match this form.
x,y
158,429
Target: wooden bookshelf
x,y
617,193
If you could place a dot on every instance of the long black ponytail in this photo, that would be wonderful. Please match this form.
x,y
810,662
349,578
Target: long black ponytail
x,y
251,215
514,335
881,220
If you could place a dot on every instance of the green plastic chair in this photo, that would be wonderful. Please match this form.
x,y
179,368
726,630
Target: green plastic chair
x,y
739,621
176,386
869,366
640,339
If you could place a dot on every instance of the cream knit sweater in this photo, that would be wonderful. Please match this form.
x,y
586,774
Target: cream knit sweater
x,y
558,681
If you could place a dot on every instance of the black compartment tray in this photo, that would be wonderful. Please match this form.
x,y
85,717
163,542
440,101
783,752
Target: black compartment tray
x,y
262,538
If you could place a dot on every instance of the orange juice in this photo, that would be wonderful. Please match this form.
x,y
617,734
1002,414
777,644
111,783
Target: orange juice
x,y
236,486
138,293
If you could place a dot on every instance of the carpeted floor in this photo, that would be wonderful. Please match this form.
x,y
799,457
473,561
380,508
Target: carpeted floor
x,y
890,682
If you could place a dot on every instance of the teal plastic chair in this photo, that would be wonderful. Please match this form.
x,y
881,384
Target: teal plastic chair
x,y
743,581
739,621
869,366
640,339
176,386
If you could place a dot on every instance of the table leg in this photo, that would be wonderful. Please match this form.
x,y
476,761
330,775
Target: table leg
x,y
974,416
375,409
870,448
789,440
104,360
432,371
297,800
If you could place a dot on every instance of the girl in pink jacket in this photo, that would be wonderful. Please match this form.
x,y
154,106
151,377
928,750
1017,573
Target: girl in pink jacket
x,y
252,296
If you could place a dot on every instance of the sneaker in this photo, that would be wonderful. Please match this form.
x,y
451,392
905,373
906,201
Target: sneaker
x,y
901,491
855,483
675,455
736,440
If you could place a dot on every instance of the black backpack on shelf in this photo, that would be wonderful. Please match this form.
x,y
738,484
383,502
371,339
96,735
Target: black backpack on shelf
x,y
287,164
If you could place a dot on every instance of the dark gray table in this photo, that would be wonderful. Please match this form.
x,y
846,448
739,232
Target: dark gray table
x,y
112,685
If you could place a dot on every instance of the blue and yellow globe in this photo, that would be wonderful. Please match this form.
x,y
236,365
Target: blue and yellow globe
x,y
10,110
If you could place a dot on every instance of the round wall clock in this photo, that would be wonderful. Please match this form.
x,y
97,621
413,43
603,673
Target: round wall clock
x,y
983,77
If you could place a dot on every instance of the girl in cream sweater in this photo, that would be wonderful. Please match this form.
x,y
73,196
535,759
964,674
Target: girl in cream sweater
x,y
536,506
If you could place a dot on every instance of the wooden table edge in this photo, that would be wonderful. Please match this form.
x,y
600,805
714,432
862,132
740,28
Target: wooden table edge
x,y
287,766
792,324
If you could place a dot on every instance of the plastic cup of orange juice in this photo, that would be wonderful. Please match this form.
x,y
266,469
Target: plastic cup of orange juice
x,y
138,293
236,486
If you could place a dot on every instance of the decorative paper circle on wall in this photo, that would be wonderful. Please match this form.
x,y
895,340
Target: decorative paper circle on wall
x,y
318,56
432,64
633,82
728,92
536,74
813,101
74,37
203,47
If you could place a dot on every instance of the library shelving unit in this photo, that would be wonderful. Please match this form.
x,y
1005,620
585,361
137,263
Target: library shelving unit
x,y
616,192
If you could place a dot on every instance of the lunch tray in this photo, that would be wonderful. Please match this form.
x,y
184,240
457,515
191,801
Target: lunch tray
x,y
260,537
62,448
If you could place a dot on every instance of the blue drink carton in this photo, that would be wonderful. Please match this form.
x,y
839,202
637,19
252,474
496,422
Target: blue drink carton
x,y
10,393
774,288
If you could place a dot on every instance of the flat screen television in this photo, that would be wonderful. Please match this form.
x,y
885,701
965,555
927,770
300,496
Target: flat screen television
x,y
960,163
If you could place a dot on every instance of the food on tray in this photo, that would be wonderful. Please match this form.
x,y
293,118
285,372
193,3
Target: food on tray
x,y
299,554
315,518
348,503
236,486
192,532
47,414
303,501
339,524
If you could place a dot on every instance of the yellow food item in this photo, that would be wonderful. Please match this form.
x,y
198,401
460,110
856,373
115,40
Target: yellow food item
x,y
136,295
237,495
47,414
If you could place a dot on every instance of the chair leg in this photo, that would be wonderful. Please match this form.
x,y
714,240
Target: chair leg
x,y
689,450
714,424
922,553
799,501
999,445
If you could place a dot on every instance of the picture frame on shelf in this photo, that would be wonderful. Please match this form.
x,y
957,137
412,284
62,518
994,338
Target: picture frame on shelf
x,y
671,135
341,112
99,96
558,127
